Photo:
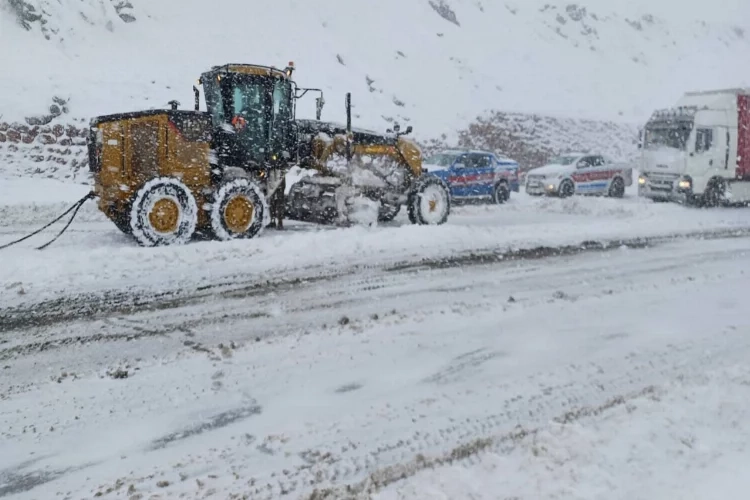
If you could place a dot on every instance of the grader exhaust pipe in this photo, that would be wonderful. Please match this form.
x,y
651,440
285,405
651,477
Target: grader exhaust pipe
x,y
348,126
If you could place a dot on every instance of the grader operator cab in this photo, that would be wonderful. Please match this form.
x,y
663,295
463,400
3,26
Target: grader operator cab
x,y
164,175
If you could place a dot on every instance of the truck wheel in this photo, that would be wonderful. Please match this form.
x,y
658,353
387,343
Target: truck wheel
x,y
164,212
388,212
566,189
714,195
429,201
501,193
617,188
239,210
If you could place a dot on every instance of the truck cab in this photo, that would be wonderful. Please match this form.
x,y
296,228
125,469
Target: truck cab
x,y
699,150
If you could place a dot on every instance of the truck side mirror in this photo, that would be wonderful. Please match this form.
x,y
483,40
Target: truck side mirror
x,y
409,130
397,128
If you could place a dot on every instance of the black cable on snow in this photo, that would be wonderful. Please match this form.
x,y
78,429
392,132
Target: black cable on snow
x,y
76,206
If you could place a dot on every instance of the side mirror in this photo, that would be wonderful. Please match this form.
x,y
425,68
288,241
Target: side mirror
x,y
581,164
397,128
459,165
409,130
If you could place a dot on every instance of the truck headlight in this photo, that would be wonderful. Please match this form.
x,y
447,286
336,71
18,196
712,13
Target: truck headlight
x,y
641,180
685,184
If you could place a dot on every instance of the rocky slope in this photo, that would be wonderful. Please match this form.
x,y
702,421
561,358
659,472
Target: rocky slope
x,y
435,64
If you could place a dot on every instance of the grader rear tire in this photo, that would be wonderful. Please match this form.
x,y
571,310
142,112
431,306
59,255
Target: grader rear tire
x,y
239,210
164,212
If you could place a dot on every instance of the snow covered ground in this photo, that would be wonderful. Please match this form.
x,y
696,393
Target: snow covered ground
x,y
579,373
502,355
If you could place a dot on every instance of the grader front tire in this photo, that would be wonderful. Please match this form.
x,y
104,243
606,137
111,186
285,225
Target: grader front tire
x,y
429,201
164,212
239,210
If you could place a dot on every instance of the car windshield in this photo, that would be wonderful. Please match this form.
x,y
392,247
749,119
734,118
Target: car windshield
x,y
563,160
675,137
441,159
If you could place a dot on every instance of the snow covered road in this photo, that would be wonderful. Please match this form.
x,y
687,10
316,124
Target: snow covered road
x,y
94,259
350,382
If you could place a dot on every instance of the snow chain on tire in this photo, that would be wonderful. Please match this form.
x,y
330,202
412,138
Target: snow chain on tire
x,y
164,212
429,201
239,210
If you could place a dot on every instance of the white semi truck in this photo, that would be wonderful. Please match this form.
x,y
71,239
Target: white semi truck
x,y
698,152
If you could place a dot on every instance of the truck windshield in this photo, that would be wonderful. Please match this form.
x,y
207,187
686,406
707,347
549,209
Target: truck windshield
x,y
675,137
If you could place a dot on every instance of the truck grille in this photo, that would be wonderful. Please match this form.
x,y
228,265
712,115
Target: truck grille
x,y
662,182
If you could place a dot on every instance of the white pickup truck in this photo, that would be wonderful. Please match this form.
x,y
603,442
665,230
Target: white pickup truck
x,y
699,150
580,173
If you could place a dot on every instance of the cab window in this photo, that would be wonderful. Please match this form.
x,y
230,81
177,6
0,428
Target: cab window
x,y
598,161
704,138
482,161
585,162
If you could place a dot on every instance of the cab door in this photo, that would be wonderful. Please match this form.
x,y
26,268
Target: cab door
x,y
582,177
457,176
480,176
711,150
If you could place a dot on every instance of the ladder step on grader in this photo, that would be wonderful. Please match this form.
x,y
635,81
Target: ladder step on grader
x,y
164,176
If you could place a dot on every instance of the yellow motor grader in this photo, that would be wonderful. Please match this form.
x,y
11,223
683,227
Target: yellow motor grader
x,y
164,175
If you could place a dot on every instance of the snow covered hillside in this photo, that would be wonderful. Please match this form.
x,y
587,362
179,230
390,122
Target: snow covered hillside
x,y
436,64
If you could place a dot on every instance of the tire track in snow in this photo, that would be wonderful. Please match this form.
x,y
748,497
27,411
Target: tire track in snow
x,y
347,291
358,473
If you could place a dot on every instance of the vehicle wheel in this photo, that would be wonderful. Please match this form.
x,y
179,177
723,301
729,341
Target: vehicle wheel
x,y
388,212
567,188
714,195
429,201
501,193
239,210
617,188
164,212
